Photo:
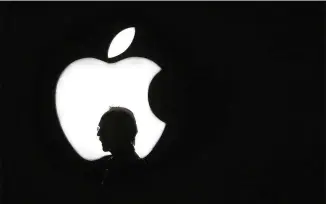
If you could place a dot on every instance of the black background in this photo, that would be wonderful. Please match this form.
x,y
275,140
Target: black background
x,y
240,91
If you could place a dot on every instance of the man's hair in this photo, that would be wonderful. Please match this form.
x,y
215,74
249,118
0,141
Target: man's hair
x,y
125,119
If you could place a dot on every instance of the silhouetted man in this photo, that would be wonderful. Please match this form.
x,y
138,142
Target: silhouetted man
x,y
117,131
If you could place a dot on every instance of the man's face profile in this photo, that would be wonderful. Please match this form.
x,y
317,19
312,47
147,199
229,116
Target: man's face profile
x,y
104,140
117,130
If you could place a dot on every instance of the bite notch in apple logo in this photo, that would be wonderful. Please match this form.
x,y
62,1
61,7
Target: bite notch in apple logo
x,y
88,87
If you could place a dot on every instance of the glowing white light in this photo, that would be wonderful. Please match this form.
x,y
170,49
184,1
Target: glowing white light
x,y
86,90
89,87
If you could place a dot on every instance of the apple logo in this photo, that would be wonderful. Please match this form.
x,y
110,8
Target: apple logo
x,y
88,87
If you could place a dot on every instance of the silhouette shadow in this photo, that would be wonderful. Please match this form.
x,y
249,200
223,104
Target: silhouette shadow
x,y
117,131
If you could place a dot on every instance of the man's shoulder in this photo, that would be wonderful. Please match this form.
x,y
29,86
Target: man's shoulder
x,y
131,174
138,164
103,162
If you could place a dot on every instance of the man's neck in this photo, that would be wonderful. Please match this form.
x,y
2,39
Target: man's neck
x,y
126,156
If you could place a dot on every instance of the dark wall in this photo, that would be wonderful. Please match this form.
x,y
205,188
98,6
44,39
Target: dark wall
x,y
240,91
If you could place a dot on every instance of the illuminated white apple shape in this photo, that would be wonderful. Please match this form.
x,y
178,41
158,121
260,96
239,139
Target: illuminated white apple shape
x,y
88,87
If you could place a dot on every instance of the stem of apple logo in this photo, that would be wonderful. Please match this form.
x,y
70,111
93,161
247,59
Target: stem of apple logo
x,y
88,87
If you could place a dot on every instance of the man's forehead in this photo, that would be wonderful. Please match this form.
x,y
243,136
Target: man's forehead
x,y
101,122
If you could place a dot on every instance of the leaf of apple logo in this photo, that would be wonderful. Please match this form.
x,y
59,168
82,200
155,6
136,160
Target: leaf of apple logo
x,y
88,87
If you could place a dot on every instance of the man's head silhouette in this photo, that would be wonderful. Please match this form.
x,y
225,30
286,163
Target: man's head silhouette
x,y
117,131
